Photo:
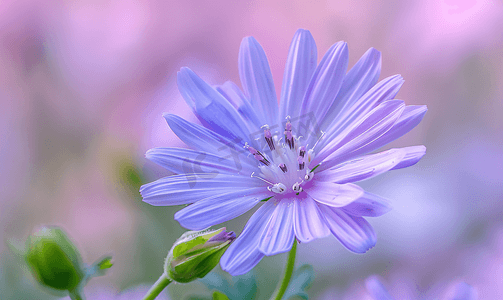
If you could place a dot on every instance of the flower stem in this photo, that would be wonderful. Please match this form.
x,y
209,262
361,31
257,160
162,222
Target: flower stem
x,y
281,289
75,295
157,288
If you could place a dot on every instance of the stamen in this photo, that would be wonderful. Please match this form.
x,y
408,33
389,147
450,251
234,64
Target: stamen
x,y
278,188
266,181
302,151
297,188
268,137
309,175
258,156
280,158
300,160
290,141
310,155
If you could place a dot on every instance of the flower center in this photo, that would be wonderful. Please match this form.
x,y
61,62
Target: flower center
x,y
283,161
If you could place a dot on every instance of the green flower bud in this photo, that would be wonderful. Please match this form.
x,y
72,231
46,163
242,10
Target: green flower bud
x,y
54,260
196,253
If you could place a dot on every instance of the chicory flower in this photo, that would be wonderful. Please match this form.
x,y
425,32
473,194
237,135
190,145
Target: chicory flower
x,y
298,159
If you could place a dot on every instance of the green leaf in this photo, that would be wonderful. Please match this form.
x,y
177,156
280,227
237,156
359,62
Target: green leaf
x,y
219,296
215,281
99,267
105,263
243,286
128,175
198,298
301,281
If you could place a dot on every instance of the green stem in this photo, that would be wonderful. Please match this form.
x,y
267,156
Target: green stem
x,y
76,296
157,288
281,289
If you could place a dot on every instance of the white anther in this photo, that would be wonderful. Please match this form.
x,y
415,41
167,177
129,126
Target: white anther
x,y
278,188
297,188
309,175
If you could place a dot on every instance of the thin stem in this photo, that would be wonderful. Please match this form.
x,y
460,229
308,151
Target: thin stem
x,y
76,296
290,263
157,288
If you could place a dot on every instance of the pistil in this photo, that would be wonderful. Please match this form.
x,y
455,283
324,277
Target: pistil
x,y
286,165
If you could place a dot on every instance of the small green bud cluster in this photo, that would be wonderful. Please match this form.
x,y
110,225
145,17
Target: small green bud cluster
x,y
54,260
56,263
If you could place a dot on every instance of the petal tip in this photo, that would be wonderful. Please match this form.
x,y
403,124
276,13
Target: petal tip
x,y
150,154
167,116
247,40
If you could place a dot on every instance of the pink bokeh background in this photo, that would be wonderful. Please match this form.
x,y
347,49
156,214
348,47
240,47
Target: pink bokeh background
x,y
83,85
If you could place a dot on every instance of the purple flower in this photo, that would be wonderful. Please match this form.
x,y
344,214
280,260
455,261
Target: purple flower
x,y
459,291
299,158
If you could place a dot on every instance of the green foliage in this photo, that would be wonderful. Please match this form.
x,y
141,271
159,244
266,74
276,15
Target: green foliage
x,y
129,176
105,263
300,282
56,263
99,267
219,296
242,287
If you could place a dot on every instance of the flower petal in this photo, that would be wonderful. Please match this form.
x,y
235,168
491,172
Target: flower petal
x,y
197,136
243,254
187,161
364,167
362,76
278,236
376,289
300,65
355,233
385,90
368,205
325,83
309,222
234,95
333,194
219,208
360,138
462,291
410,118
211,106
256,78
412,155
188,188
201,138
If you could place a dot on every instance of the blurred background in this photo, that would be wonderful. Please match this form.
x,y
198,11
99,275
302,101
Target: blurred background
x,y
83,85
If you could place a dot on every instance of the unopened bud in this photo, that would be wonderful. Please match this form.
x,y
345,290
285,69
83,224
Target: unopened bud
x,y
54,260
196,253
